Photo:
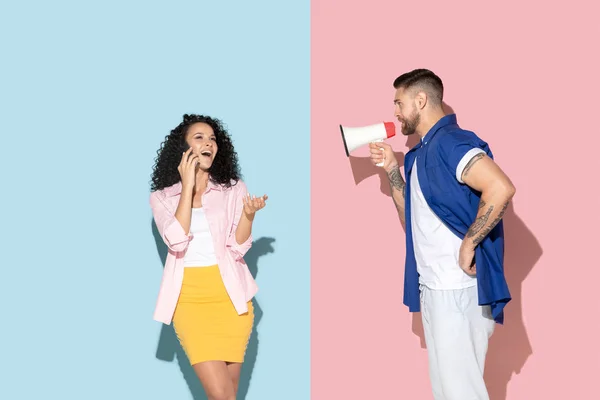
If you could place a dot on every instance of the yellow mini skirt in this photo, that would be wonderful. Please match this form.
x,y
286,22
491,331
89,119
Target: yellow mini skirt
x,y
205,321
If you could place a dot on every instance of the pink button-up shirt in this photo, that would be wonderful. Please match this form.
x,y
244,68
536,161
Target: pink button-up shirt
x,y
223,208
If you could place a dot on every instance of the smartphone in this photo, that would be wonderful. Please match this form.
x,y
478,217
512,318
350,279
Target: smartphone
x,y
184,147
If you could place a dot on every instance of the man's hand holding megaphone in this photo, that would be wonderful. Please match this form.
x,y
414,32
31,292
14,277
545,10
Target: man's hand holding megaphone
x,y
382,152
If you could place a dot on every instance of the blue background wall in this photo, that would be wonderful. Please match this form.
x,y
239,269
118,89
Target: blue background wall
x,y
88,92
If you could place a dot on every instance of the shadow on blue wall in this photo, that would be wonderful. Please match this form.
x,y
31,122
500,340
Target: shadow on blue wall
x,y
169,347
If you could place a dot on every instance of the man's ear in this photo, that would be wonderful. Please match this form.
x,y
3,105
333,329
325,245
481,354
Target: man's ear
x,y
421,99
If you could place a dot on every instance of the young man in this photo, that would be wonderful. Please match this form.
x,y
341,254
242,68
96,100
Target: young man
x,y
452,204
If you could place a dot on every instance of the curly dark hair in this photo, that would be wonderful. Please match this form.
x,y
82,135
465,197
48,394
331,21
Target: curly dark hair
x,y
223,170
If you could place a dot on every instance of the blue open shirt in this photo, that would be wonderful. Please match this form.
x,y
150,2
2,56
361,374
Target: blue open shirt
x,y
456,204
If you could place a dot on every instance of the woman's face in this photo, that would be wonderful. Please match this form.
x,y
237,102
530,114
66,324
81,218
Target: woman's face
x,y
202,140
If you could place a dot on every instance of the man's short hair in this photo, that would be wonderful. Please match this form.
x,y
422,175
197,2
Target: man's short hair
x,y
425,80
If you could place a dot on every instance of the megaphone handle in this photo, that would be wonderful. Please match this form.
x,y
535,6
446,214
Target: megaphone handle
x,y
381,163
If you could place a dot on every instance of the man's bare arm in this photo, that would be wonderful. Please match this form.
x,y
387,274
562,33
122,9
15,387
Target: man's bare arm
x,y
485,176
398,187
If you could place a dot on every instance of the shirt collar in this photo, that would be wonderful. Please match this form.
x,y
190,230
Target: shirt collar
x,y
446,120
175,189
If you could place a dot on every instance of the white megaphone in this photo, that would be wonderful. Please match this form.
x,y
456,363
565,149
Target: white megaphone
x,y
355,137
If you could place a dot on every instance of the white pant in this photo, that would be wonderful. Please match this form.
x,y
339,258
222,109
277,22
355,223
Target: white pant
x,y
457,331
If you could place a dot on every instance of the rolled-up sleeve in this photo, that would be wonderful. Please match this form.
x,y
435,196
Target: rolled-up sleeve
x,y
238,249
457,150
168,226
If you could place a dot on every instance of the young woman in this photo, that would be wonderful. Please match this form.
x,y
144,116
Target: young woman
x,y
204,214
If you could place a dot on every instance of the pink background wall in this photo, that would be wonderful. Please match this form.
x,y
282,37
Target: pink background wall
x,y
524,77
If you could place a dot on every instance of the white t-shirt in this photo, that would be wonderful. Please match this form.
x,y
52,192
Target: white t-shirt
x,y
436,246
201,249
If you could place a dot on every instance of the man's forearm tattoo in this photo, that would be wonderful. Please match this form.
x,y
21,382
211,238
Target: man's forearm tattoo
x,y
396,181
491,226
472,162
479,222
482,204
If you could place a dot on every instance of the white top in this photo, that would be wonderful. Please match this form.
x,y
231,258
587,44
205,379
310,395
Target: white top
x,y
436,246
201,249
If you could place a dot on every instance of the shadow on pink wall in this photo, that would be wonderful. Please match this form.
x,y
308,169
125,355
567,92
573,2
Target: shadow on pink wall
x,y
509,346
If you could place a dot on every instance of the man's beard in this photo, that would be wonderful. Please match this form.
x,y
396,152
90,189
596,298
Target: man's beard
x,y
409,125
